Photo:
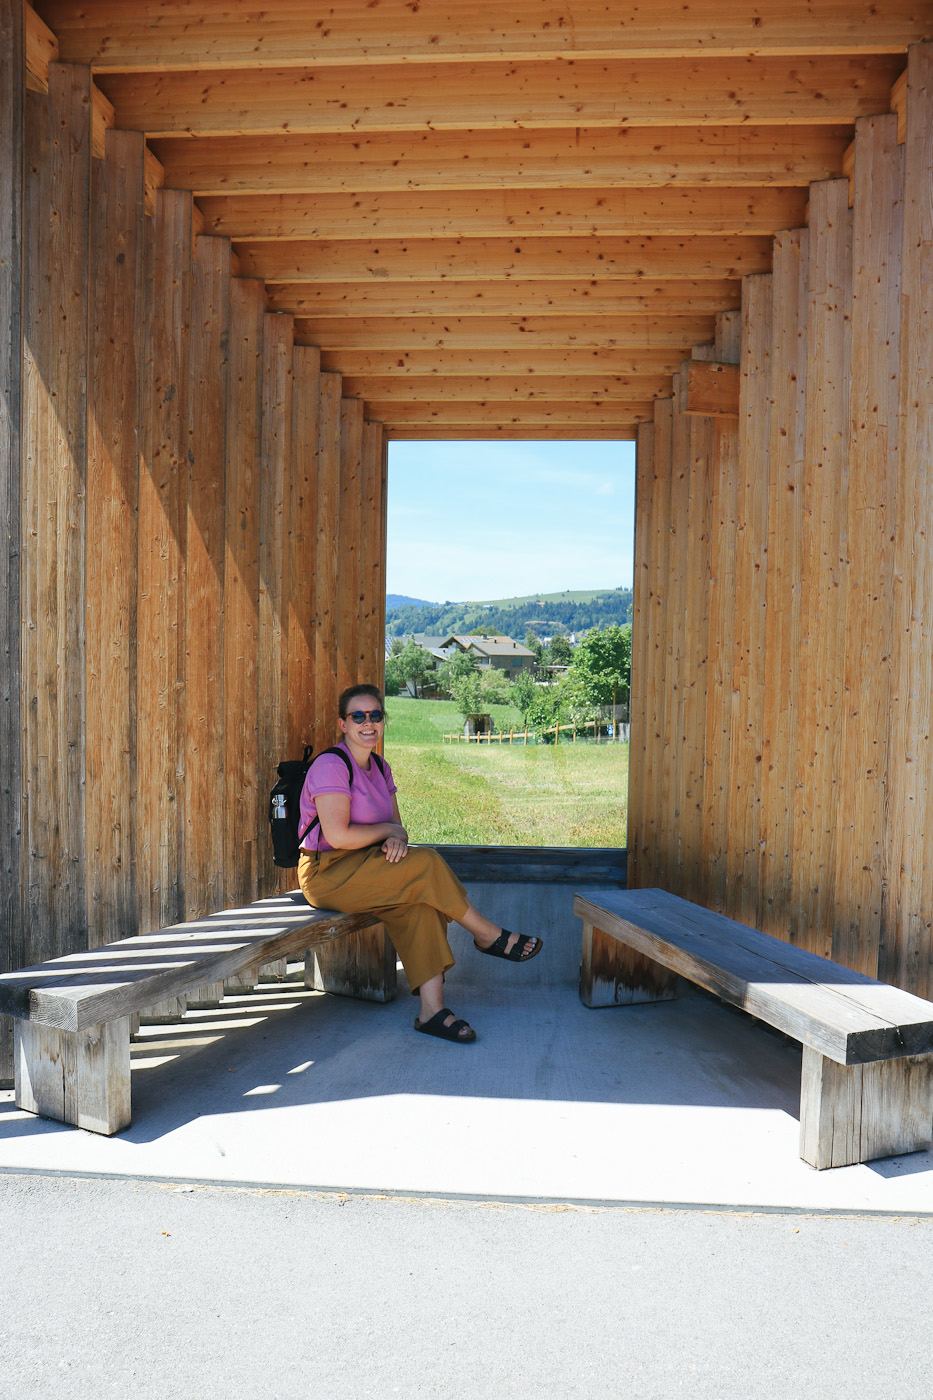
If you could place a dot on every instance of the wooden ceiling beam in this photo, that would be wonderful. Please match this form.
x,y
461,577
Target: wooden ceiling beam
x,y
589,93
110,35
490,388
452,160
482,259
494,361
513,298
479,332
688,212
497,432
564,414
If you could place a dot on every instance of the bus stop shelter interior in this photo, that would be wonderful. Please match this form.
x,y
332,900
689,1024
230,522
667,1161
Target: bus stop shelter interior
x,y
241,252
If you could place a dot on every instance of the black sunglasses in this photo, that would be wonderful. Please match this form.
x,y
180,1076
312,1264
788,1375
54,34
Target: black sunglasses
x,y
358,716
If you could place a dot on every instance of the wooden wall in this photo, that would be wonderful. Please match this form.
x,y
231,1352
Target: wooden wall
x,y
783,668
195,519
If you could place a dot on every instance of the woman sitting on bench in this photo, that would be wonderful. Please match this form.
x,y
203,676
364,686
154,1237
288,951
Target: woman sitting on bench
x,y
355,858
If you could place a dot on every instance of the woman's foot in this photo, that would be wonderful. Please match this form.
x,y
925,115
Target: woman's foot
x,y
445,1025
512,946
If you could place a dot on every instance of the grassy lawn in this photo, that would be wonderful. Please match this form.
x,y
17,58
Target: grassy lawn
x,y
501,794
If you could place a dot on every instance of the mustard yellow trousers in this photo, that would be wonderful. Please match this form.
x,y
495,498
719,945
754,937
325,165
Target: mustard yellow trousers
x,y
416,898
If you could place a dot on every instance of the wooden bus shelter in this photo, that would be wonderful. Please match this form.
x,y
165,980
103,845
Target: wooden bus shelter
x,y
243,247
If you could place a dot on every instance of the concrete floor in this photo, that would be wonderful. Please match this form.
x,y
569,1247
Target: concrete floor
x,y
682,1103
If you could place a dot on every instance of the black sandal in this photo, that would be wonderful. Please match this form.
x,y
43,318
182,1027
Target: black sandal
x,y
452,1032
514,954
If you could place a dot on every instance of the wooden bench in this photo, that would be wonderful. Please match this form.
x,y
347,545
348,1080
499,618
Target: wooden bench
x,y
867,1080
74,1015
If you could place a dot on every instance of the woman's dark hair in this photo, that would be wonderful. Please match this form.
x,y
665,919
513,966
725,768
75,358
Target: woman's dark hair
x,y
353,690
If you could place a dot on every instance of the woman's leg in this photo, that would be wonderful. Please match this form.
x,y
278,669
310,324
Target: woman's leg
x,y
485,933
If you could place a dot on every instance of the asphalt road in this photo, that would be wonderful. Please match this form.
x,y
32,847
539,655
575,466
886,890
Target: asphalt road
x,y
115,1288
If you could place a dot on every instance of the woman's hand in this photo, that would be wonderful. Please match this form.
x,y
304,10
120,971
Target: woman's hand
x,y
395,847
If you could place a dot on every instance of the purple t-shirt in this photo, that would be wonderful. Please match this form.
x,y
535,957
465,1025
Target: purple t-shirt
x,y
370,794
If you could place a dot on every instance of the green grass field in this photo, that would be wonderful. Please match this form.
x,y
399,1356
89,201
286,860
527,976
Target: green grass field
x,y
501,794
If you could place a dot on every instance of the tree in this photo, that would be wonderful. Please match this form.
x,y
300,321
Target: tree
x,y
495,686
523,694
414,663
467,693
601,671
561,653
394,680
460,664
533,643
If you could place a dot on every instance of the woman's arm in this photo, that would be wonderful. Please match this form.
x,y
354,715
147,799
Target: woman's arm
x,y
396,847
333,809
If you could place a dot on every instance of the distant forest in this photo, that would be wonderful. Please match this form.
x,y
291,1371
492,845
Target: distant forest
x,y
545,618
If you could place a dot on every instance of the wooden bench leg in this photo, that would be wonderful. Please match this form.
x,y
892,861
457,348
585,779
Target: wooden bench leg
x,y
612,974
162,1012
80,1077
856,1113
358,965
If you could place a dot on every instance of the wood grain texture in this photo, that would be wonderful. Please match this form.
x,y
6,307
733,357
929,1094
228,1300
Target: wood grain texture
x,y
79,1077
850,1018
272,656
301,525
776,913
710,390
858,1113
361,965
12,131
824,565
54,511
641,689
371,657
205,752
872,512
748,674
350,568
675,673
700,439
611,974
906,955
326,563
116,257
163,516
242,804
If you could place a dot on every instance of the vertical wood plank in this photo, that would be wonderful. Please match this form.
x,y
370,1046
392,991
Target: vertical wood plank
x,y
302,581
876,261
776,913
272,664
325,554
717,733
640,689
117,215
162,546
906,953
350,570
207,822
649,871
824,565
696,655
241,593
379,659
371,651
12,129
750,598
53,516
671,756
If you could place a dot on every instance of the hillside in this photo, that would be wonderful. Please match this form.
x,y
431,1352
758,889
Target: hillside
x,y
544,613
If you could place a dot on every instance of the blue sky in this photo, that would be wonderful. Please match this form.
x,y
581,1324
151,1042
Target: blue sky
x,y
497,519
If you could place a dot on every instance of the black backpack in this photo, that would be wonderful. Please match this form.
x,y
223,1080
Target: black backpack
x,y
285,801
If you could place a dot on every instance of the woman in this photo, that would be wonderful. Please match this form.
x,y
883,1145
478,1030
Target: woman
x,y
356,858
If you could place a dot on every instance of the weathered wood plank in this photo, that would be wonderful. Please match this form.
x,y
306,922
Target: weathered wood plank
x,y
776,914
709,389
856,1113
241,594
362,965
325,554
612,974
53,515
162,550
696,655
872,512
207,835
272,657
349,572
371,658
641,697
84,989
675,675
844,1015
301,524
12,130
79,1077
748,675
824,565
116,256
906,953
